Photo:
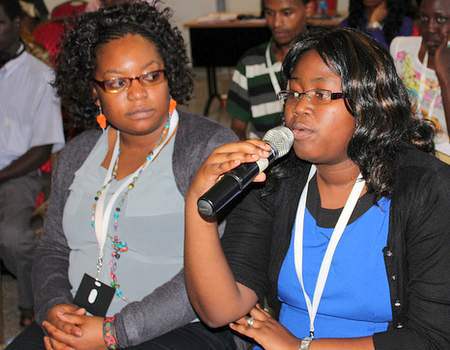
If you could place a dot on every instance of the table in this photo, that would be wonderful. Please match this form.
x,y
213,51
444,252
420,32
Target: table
x,y
443,152
220,43
444,157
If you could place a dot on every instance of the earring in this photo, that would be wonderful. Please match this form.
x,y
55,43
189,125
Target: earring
x,y
101,119
172,105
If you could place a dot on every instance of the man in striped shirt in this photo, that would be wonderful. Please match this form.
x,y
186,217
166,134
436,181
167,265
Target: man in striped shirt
x,y
252,98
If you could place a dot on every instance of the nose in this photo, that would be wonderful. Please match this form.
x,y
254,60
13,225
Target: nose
x,y
136,90
277,20
301,105
432,25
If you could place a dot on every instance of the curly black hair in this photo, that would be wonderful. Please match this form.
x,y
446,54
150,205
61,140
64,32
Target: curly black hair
x,y
396,12
75,65
374,95
12,8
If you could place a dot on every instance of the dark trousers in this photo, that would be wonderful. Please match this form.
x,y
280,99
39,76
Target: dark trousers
x,y
193,336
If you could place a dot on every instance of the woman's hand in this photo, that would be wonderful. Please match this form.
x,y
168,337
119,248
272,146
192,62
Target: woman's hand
x,y
442,60
266,331
53,317
224,159
91,330
52,344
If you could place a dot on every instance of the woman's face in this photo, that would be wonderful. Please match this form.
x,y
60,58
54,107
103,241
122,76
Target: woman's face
x,y
435,23
138,110
321,132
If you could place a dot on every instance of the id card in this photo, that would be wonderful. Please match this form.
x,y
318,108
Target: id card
x,y
94,296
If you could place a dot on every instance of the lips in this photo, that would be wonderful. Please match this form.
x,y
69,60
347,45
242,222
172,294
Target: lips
x,y
280,34
432,41
302,131
140,113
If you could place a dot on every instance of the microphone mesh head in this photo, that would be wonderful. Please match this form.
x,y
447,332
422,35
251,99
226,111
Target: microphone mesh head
x,y
281,139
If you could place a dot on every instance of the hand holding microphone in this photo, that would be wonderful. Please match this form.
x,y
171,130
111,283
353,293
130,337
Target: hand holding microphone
x,y
232,183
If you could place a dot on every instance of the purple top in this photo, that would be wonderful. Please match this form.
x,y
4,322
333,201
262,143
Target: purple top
x,y
377,33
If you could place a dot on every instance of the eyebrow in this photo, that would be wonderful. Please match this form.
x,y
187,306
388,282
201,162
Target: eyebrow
x,y
290,7
315,80
114,71
434,12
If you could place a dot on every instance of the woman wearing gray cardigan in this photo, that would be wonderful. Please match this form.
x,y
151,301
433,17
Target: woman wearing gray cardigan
x,y
116,212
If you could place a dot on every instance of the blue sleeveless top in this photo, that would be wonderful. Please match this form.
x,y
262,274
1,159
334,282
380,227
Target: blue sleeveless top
x,y
355,301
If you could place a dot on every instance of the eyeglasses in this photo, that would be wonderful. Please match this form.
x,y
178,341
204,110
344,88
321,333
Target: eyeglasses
x,y
117,85
315,96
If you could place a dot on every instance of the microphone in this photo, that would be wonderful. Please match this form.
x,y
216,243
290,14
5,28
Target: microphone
x,y
232,183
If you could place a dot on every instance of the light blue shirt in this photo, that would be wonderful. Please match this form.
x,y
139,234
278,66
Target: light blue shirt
x,y
151,222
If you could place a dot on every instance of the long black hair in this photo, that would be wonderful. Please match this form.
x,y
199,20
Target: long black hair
x,y
396,12
76,61
375,96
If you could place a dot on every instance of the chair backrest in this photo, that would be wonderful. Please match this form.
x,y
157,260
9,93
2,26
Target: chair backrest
x,y
68,9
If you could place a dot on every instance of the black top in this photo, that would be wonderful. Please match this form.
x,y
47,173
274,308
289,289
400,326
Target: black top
x,y
328,218
417,255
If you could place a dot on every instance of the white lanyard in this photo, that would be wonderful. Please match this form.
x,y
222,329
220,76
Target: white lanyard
x,y
273,77
102,216
332,245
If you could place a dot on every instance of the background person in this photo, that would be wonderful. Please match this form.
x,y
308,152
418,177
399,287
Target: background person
x,y
128,63
355,147
423,63
31,129
252,98
381,19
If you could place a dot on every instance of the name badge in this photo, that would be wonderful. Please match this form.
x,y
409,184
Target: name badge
x,y
94,296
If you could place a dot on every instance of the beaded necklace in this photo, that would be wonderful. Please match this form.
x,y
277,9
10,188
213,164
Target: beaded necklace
x,y
118,246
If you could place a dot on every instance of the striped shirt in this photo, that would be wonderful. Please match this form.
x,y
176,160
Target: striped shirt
x,y
252,97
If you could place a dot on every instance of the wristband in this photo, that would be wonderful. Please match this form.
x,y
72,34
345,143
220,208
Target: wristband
x,y
305,343
109,333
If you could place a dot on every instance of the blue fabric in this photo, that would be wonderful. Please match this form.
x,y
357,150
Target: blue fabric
x,y
406,29
355,301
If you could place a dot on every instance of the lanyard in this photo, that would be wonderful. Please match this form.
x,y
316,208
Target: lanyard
x,y
273,77
103,215
332,245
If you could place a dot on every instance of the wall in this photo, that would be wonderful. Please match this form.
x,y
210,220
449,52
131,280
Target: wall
x,y
239,6
186,10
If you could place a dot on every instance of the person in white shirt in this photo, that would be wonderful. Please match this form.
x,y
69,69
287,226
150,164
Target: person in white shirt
x,y
423,63
31,129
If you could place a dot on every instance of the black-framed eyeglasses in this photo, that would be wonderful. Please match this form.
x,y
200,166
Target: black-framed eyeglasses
x,y
120,84
315,96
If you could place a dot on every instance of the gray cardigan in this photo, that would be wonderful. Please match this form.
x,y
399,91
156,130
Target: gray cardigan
x,y
167,307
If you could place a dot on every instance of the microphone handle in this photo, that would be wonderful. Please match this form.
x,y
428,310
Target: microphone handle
x,y
229,186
